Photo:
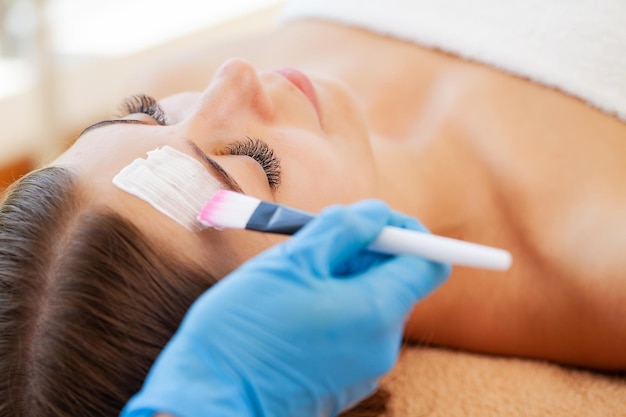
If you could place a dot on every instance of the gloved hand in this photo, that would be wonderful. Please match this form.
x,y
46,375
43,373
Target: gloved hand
x,y
304,329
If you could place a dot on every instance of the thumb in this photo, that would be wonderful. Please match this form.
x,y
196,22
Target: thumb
x,y
337,235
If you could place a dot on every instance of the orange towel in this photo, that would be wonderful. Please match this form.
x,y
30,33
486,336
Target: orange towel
x,y
432,382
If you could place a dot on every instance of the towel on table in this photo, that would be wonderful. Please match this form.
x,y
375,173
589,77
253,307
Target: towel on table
x,y
433,382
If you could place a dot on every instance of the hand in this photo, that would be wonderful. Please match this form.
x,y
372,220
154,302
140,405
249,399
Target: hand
x,y
306,328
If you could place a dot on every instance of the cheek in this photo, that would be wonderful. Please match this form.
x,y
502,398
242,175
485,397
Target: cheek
x,y
222,251
312,183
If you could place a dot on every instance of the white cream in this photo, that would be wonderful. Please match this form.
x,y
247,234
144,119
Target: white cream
x,y
172,182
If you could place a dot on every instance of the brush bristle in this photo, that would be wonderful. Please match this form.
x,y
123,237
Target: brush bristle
x,y
228,209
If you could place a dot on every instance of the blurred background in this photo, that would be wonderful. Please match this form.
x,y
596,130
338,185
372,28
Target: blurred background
x,y
63,62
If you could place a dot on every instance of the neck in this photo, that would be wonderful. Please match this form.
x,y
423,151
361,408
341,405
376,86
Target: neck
x,y
419,179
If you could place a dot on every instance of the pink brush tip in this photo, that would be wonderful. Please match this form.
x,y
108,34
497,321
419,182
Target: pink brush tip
x,y
228,209
208,211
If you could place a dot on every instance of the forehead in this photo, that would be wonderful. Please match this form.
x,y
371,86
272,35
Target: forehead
x,y
102,153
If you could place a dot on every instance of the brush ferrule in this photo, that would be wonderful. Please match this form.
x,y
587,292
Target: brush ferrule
x,y
273,218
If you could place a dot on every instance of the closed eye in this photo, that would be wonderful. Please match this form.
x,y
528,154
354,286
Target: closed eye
x,y
143,103
263,154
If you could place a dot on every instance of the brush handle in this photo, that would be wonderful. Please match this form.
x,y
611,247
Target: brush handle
x,y
274,218
397,241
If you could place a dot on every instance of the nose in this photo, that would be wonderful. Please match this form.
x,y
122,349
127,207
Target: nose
x,y
235,91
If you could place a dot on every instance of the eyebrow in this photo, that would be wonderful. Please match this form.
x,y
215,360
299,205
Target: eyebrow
x,y
111,122
216,169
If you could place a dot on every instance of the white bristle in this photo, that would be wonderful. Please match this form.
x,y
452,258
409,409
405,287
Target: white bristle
x,y
227,209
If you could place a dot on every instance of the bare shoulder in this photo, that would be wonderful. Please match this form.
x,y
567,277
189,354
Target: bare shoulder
x,y
191,68
556,169
309,45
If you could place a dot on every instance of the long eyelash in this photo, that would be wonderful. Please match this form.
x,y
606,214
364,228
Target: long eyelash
x,y
262,153
142,103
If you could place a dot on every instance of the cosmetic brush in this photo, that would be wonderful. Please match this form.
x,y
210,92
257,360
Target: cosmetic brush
x,y
228,209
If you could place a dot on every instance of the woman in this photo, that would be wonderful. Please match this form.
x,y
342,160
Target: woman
x,y
474,152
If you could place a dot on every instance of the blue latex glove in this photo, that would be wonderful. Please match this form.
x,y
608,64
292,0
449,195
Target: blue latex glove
x,y
305,329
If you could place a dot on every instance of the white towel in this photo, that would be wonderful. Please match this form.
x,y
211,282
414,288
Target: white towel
x,y
577,46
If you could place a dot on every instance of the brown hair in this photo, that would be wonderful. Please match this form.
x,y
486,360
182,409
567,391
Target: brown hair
x,y
86,303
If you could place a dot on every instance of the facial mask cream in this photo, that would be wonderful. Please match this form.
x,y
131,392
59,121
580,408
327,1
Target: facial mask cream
x,y
172,182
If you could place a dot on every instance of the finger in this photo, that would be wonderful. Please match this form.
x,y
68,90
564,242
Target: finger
x,y
356,393
337,234
357,264
402,281
406,222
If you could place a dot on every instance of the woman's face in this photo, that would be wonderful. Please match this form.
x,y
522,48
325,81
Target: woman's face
x,y
312,126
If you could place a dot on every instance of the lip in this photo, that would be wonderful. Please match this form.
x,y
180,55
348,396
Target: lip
x,y
302,83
